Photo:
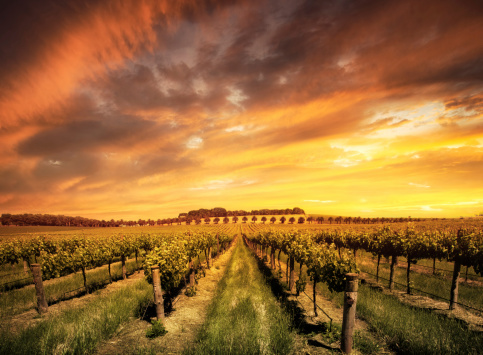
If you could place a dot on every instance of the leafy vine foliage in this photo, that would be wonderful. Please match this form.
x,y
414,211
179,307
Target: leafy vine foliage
x,y
61,256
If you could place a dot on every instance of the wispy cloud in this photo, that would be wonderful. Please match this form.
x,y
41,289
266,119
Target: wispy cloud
x,y
320,201
223,184
419,185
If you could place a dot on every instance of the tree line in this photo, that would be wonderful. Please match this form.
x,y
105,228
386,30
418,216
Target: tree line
x,y
196,217
222,212
28,219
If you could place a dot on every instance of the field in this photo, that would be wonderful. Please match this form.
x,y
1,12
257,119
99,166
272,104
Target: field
x,y
243,288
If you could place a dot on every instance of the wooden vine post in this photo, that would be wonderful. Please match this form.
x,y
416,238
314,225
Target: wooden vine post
x,y
217,245
123,262
25,266
42,305
454,285
158,294
291,282
272,258
208,256
192,274
393,270
349,315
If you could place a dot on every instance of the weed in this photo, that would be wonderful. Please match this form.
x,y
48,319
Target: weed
x,y
78,330
190,291
333,334
300,284
157,329
365,344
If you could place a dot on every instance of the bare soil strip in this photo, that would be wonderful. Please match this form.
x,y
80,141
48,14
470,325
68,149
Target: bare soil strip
x,y
312,341
31,317
182,323
473,321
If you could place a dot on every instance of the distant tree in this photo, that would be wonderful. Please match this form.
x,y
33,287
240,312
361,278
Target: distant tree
x,y
226,220
264,219
188,220
273,220
320,219
234,219
330,219
283,219
218,212
207,220
291,220
310,219
301,220
245,219
254,219
216,220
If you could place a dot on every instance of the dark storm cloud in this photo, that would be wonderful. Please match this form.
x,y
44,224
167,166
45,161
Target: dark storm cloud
x,y
13,181
27,29
137,89
307,50
64,166
89,135
50,47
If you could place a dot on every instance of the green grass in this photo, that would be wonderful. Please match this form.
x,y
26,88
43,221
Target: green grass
x,y
23,299
410,330
470,295
406,329
78,330
362,341
445,268
244,317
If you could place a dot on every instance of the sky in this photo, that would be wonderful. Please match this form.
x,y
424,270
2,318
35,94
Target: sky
x,y
146,109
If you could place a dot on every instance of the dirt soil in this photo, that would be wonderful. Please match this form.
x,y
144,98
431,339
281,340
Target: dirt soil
x,y
29,318
447,274
314,342
473,321
74,295
182,324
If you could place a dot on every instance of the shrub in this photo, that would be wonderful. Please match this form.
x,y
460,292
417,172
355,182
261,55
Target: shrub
x,y
190,291
157,329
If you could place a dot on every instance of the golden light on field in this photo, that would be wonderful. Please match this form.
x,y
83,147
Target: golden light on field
x,y
148,109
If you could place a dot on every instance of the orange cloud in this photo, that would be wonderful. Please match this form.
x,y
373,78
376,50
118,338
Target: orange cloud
x,y
140,109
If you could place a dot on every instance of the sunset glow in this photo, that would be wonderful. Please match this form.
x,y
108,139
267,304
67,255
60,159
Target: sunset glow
x,y
145,109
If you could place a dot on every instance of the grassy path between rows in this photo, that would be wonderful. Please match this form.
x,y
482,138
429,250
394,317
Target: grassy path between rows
x,y
408,329
244,317
78,330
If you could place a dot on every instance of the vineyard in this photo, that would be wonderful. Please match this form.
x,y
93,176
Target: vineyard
x,y
430,271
